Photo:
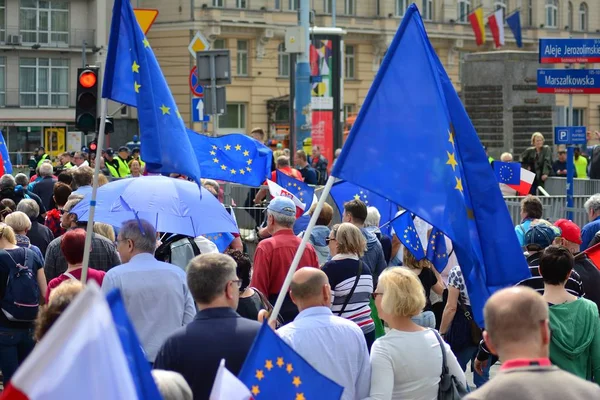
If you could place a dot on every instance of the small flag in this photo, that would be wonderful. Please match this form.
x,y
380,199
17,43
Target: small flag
x,y
496,24
221,240
5,164
437,252
405,230
301,190
514,23
594,254
228,387
273,370
525,182
476,20
276,190
507,172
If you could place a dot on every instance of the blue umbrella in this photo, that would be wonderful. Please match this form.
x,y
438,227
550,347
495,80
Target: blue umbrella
x,y
171,205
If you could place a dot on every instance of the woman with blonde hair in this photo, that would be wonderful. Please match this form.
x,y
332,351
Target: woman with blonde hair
x,y
538,159
406,363
59,300
350,278
21,224
431,280
105,230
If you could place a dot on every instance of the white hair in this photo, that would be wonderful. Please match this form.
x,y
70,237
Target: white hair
x,y
46,169
171,385
287,221
593,203
373,217
7,180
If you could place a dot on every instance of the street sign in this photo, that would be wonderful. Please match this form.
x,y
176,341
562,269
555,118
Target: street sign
x,y
198,114
198,43
568,81
145,17
569,51
570,135
195,86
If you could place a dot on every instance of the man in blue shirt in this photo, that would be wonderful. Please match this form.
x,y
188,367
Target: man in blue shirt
x,y
592,208
308,172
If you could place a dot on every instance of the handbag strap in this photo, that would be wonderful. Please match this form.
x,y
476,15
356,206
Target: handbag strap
x,y
360,267
443,348
70,275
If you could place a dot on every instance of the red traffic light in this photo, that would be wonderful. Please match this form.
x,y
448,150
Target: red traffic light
x,y
93,146
88,78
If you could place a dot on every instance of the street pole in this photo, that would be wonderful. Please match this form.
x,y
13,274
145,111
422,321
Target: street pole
x,y
570,164
292,122
213,94
302,109
83,55
333,12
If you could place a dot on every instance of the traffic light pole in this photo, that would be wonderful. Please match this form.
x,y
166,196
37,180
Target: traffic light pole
x,y
92,210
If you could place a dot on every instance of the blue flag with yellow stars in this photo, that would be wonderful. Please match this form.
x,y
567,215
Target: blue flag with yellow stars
x,y
273,370
132,76
508,173
342,192
301,190
7,167
437,252
422,152
405,230
232,158
221,240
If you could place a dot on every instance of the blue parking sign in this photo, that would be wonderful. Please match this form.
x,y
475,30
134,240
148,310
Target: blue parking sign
x,y
570,135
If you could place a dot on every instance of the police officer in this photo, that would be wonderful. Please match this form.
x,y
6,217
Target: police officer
x,y
111,163
123,158
41,156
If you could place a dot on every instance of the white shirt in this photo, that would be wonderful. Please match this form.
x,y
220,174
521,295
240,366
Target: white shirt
x,y
334,346
408,365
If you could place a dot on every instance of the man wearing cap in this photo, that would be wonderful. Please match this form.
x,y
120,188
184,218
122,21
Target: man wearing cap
x,y
114,164
135,155
273,256
123,158
570,238
559,167
41,156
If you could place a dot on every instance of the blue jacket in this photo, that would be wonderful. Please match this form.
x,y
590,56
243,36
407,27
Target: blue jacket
x,y
374,255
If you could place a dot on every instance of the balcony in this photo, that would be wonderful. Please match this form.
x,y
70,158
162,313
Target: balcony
x,y
15,36
13,98
245,16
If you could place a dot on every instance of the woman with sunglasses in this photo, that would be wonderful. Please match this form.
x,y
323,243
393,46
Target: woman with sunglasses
x,y
406,363
350,278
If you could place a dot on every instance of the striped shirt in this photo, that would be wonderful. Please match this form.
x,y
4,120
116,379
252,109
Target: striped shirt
x,y
574,285
342,271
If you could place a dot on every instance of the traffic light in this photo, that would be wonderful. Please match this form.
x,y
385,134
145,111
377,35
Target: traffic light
x,y
93,146
87,99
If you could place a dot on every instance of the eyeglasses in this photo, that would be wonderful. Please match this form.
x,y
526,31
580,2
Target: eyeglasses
x,y
238,282
375,294
61,211
327,240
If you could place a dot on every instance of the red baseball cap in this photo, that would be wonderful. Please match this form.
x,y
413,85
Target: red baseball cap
x,y
570,230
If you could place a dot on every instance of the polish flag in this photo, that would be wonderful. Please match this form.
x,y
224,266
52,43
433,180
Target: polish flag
x,y
527,178
228,387
496,24
277,190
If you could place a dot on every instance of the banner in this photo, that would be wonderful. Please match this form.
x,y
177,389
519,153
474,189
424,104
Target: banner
x,y
322,132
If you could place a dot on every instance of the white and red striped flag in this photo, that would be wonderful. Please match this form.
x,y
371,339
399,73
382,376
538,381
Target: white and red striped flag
x,y
496,24
276,190
526,181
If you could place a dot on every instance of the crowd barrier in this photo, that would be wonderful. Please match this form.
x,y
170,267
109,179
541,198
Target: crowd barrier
x,y
556,186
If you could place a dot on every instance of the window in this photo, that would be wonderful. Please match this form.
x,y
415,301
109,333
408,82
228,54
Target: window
x,y
551,13
349,63
427,10
583,15
2,23
401,6
217,3
500,4
242,58
464,8
44,21
219,44
2,81
283,65
44,82
242,3
578,116
349,109
350,7
282,114
530,12
235,117
570,15
327,6
278,4
293,5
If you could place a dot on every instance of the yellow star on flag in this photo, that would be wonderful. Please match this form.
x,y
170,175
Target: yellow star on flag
x,y
178,114
459,185
356,197
146,42
280,362
248,169
296,382
452,161
227,147
214,147
242,172
255,390
216,160
289,368
269,365
165,109
136,86
213,153
300,396
223,167
451,138
249,162
233,171
259,374
238,147
246,153
135,67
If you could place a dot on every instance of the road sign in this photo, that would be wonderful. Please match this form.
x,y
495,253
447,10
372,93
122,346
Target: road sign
x,y
569,51
195,86
198,43
568,81
145,17
198,114
570,135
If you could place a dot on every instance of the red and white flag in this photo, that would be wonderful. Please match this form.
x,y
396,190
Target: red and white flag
x,y
228,387
496,24
277,190
527,178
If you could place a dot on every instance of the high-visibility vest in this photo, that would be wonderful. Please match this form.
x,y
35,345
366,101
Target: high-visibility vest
x,y
45,156
68,165
123,168
111,169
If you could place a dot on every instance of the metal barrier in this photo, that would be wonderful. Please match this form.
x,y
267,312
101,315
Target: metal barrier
x,y
581,187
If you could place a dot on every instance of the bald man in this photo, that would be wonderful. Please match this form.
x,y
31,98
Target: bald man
x,y
517,330
335,346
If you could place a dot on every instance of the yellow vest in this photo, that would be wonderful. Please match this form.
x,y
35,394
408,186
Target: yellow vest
x,y
123,168
45,156
111,169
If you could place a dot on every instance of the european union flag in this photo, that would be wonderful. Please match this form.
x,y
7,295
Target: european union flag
x,y
221,240
233,158
341,192
508,173
405,230
301,190
273,370
437,252
444,176
133,77
5,165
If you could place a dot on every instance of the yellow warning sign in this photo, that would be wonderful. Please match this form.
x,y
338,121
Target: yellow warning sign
x,y
145,17
198,43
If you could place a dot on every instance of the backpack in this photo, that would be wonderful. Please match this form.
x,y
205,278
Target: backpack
x,y
22,295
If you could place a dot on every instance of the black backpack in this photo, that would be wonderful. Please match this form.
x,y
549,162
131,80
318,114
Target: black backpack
x,y
22,295
177,250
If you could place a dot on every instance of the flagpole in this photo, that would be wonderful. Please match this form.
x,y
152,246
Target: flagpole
x,y
92,210
300,251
